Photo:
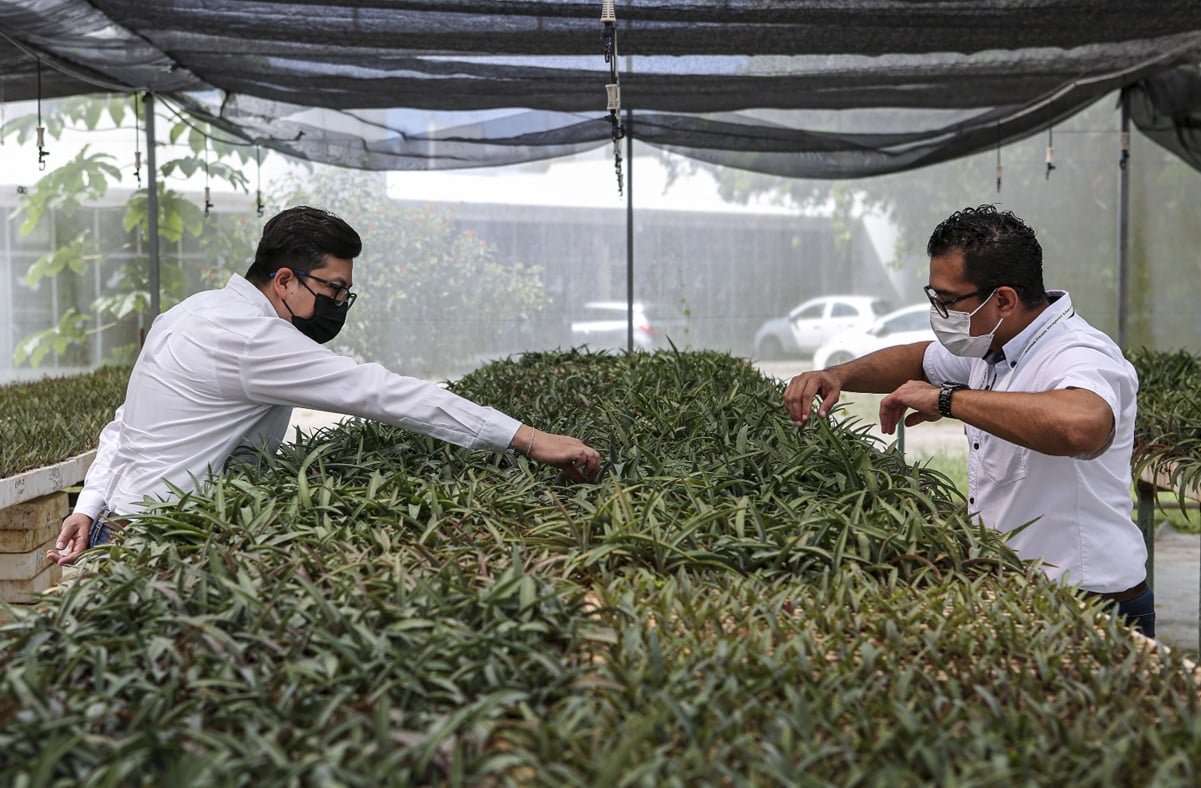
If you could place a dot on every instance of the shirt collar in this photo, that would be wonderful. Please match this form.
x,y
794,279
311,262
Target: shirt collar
x,y
1061,302
244,289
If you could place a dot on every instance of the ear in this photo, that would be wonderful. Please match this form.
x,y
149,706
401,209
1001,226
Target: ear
x,y
280,281
1008,300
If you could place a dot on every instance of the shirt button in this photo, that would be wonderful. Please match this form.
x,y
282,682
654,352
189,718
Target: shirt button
x,y
971,500
975,445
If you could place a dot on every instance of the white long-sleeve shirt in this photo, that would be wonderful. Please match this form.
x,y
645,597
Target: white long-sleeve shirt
x,y
1083,530
221,370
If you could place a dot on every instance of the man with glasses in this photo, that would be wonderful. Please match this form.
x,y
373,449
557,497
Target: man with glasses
x,y
1047,402
221,371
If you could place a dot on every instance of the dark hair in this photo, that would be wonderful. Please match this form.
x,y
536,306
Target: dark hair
x,y
301,237
998,249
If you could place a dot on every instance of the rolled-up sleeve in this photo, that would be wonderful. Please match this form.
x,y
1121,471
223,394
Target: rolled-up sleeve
x,y
942,366
1097,372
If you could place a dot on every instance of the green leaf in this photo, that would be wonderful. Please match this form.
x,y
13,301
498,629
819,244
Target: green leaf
x,y
73,255
35,347
65,188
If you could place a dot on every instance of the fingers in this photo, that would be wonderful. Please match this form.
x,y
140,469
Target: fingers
x,y
64,558
798,396
68,552
72,540
585,467
579,461
889,416
581,472
916,418
828,402
917,398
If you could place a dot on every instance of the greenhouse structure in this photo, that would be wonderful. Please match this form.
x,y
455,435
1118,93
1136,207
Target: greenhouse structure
x,y
631,223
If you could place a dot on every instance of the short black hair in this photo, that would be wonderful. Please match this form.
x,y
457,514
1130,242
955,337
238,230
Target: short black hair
x,y
301,237
998,249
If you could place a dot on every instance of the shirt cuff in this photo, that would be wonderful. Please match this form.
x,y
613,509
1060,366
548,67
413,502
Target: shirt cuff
x,y
498,430
89,503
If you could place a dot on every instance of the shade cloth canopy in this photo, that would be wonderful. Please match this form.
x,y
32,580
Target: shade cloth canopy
x,y
807,89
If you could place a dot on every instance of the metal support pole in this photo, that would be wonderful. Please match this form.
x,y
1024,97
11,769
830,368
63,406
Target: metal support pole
x,y
629,231
1124,225
1147,496
152,205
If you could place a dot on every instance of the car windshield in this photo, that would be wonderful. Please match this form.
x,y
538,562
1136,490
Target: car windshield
x,y
880,308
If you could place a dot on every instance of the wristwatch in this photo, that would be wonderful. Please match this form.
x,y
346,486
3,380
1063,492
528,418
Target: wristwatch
x,y
944,397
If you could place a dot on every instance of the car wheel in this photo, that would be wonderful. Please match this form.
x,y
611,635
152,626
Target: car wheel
x,y
838,357
770,349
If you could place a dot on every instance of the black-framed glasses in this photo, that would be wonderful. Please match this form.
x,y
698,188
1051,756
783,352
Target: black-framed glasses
x,y
942,306
340,299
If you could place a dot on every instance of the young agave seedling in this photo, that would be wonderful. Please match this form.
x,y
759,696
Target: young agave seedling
x,y
735,601
48,421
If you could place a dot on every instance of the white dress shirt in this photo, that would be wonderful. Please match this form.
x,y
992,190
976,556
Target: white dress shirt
x,y
221,370
1083,530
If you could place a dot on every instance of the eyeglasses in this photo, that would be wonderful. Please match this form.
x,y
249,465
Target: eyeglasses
x,y
942,306
340,300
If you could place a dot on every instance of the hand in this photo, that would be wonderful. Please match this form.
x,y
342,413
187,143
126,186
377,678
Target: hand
x,y
918,395
798,397
575,458
72,540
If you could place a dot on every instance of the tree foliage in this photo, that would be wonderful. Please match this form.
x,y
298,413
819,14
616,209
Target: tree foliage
x,y
433,299
1073,207
74,250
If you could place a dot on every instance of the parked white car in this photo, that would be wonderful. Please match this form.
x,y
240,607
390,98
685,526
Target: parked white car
x,y
805,327
603,325
902,327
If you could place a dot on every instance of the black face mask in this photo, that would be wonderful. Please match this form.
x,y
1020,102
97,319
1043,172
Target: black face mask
x,y
327,320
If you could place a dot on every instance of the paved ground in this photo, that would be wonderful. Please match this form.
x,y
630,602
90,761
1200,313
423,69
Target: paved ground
x,y
1177,584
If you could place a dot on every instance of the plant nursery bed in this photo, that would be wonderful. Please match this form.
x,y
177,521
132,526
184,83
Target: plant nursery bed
x,y
45,480
737,601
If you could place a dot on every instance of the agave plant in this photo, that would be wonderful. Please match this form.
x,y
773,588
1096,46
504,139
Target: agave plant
x,y
1168,428
50,420
736,601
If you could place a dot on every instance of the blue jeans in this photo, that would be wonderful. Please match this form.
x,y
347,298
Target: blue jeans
x,y
1138,613
100,533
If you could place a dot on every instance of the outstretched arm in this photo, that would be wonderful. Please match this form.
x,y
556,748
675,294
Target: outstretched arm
x,y
876,373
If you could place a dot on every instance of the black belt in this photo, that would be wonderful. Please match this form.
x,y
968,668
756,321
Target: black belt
x,y
112,519
1123,596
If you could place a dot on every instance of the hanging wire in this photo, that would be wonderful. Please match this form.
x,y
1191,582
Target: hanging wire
x,y
137,141
1050,151
613,88
42,152
2,119
998,158
208,204
258,160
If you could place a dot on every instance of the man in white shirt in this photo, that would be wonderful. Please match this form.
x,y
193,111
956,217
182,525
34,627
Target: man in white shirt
x,y
1047,401
222,370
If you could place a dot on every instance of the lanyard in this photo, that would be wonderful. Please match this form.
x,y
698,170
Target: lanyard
x,y
1042,332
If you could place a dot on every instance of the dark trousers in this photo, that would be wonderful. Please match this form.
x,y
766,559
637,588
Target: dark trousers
x,y
1138,612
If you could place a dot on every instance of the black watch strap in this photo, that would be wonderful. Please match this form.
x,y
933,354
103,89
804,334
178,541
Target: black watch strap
x,y
944,398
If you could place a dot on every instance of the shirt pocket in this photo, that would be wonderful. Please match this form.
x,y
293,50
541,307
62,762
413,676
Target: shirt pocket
x,y
1001,463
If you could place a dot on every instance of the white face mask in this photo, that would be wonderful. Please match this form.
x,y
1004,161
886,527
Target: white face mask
x,y
955,331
